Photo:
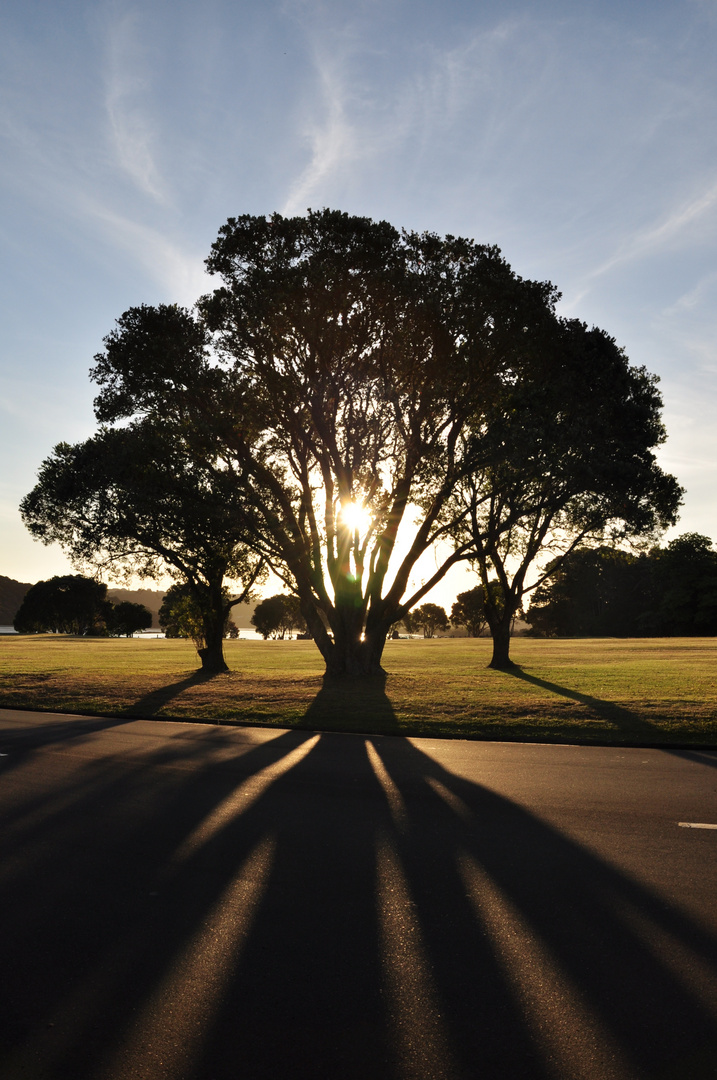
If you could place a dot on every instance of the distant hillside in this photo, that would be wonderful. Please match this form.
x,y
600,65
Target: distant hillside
x,y
241,614
11,596
151,598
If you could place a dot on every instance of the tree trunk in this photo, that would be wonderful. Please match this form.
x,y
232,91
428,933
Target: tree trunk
x,y
348,658
500,631
212,656
212,653
350,650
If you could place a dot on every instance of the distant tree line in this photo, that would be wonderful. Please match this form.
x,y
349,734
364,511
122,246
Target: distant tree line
x,y
593,592
469,612
350,399
669,591
73,604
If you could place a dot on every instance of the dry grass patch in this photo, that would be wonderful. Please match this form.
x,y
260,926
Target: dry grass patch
x,y
635,690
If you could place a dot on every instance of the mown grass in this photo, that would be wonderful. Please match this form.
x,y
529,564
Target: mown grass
x,y
649,691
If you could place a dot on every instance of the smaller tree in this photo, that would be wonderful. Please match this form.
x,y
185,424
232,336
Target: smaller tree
x,y
278,616
183,616
293,621
582,426
127,618
429,618
268,615
469,611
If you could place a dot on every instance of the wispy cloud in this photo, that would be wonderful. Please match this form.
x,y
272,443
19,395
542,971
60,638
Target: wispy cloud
x,y
658,236
179,272
331,139
351,122
694,297
126,89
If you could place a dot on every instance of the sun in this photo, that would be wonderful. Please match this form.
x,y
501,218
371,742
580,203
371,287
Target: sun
x,y
356,517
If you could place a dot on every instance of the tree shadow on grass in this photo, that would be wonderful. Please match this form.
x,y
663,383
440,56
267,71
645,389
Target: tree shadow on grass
x,y
352,705
627,719
152,703
237,903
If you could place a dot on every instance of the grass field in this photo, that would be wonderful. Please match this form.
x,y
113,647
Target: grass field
x,y
598,690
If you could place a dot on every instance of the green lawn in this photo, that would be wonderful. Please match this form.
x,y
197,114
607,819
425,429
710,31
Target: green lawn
x,y
655,690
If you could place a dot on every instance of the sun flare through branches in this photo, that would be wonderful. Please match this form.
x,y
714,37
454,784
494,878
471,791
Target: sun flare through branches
x,y
356,518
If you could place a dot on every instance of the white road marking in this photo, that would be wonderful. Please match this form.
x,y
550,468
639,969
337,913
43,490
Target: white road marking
x,y
695,825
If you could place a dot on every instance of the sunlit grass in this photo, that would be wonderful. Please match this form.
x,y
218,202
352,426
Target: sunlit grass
x,y
640,690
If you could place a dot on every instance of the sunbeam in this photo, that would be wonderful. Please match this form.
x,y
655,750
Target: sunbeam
x,y
566,1034
356,517
238,802
423,1047
169,1034
395,800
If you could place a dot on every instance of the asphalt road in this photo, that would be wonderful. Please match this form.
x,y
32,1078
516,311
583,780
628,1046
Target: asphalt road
x,y
208,903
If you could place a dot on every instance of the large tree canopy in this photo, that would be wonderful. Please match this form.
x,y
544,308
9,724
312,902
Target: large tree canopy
x,y
352,367
370,395
365,359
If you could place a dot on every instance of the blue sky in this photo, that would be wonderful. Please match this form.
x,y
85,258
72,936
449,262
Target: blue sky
x,y
580,137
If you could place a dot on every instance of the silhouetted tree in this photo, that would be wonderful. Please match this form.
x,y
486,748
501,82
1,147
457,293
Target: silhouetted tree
x,y
182,616
579,427
428,618
667,591
365,353
127,618
684,587
277,616
469,611
344,366
140,499
592,593
67,604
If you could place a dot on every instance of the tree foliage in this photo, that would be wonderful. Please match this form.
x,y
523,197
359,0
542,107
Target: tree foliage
x,y
367,356
579,426
345,366
182,616
143,499
684,587
469,611
608,592
73,604
591,593
128,618
277,616
427,619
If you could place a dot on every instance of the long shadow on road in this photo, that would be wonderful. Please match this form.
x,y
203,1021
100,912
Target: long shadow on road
x,y
226,904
